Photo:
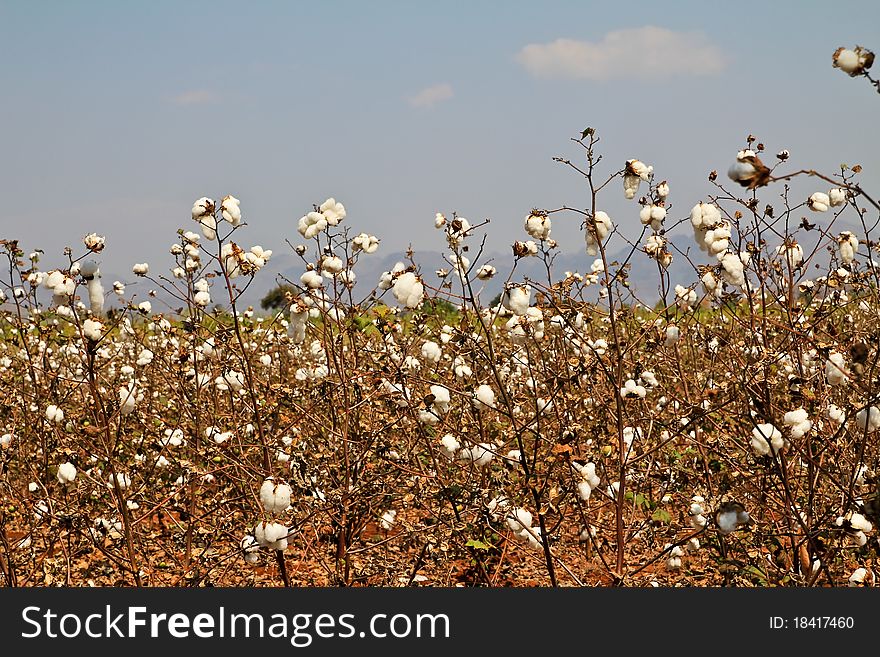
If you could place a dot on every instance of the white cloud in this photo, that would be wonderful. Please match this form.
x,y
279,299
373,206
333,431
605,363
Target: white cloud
x,y
194,97
644,52
430,96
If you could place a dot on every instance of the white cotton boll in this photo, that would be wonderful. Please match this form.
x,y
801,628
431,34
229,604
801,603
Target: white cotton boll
x,y
519,519
311,224
663,190
145,357
859,522
202,299
439,220
94,242
836,372
819,202
54,414
431,351
311,279
333,211
141,269
652,215
631,390
685,298
792,253
366,243
584,491
387,519
846,60
484,397
836,197
209,227
128,398
730,516
145,307
331,265
798,421
848,244
480,455
517,298
673,561
538,226
122,479
408,290
449,446
275,496
6,440
250,549
66,473
441,399
229,208
647,377
672,335
630,185
836,415
603,225
868,419
861,577
93,330
766,438
486,272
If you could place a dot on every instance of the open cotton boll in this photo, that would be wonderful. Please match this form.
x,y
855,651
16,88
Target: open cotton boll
x,y
848,245
6,440
366,243
449,446
673,560
129,396
408,290
853,62
271,535
480,455
603,226
333,211
311,279
798,421
836,372
861,577
230,210
631,390
836,415
653,216
484,397
209,227
584,490
766,438
819,202
250,549
868,419
748,170
311,224
387,519
141,268
275,496
431,351
66,473
96,295
730,516
485,272
517,298
331,265
93,330
792,253
94,242
837,196
122,479
441,399
538,225
54,414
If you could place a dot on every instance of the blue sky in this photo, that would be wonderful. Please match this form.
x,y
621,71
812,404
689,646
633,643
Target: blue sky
x,y
118,115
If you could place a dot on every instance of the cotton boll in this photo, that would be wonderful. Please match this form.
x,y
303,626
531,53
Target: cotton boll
x,y
94,242
480,455
122,479
96,295
275,496
209,227
66,473
673,561
408,290
93,330
631,390
537,225
230,210
836,372
868,419
603,226
672,335
141,269
6,440
387,519
748,170
853,62
485,272
798,421
653,216
431,352
584,491
366,243
250,549
449,446
484,397
819,202
861,577
54,414
516,299
791,253
311,224
333,211
836,415
766,438
848,244
202,299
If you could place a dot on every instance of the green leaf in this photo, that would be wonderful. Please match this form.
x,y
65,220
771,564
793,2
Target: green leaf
x,y
661,515
477,544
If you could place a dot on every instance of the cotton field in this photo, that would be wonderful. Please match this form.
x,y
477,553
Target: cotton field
x,y
572,432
